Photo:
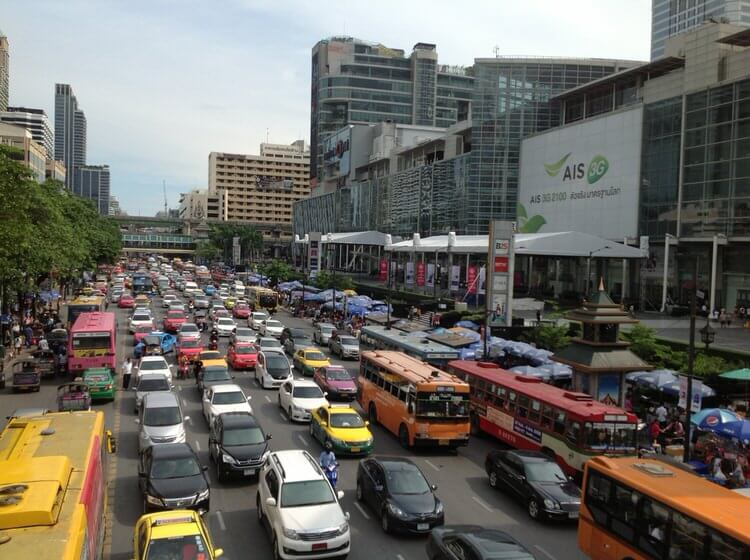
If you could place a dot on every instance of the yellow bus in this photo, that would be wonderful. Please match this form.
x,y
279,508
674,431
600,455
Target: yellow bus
x,y
84,304
646,508
53,487
420,404
262,298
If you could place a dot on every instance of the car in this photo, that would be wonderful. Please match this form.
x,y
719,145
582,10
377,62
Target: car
x,y
209,289
344,428
256,318
142,331
190,347
267,343
272,369
173,534
242,334
174,320
307,360
142,300
322,332
140,318
154,364
294,339
472,541
397,491
229,302
237,445
160,420
149,383
200,302
221,398
178,306
166,340
189,330
242,355
537,481
299,397
241,310
101,384
126,301
299,508
168,299
336,381
212,372
225,326
271,327
171,477
344,346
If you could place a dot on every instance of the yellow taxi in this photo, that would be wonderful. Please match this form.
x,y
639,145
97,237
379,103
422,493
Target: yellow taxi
x,y
173,534
340,424
307,360
230,302
142,300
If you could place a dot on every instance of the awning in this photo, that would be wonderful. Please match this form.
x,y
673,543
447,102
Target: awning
x,y
355,238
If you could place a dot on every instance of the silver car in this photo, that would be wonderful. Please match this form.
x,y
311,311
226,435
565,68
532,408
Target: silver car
x,y
149,383
344,346
323,332
160,420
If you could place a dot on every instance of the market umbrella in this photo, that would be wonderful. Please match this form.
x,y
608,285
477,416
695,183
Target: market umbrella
x,y
654,379
739,430
529,371
711,418
673,388
556,370
742,374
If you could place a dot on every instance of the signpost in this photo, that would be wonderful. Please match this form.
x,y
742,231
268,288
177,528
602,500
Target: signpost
x,y
313,254
236,251
500,275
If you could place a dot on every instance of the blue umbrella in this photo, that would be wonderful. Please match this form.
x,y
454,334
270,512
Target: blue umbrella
x,y
655,379
739,430
673,389
712,418
557,371
468,325
529,371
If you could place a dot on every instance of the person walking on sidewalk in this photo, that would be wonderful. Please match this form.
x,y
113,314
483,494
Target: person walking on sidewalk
x,y
127,372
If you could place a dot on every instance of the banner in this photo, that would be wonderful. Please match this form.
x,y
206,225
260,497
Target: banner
x,y
482,279
430,275
420,273
697,394
383,270
409,273
471,280
455,277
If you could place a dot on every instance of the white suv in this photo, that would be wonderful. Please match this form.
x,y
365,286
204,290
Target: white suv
x,y
299,397
300,509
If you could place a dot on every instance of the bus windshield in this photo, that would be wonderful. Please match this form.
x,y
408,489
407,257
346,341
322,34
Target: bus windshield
x,y
442,405
87,342
609,436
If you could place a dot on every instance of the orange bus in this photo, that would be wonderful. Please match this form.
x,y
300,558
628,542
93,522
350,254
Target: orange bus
x,y
646,508
53,487
422,405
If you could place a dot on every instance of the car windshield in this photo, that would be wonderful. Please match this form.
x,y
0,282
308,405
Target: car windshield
x,y
301,340
175,468
338,375
243,436
276,363
308,392
245,350
347,420
95,378
141,317
273,324
175,315
244,333
406,479
189,328
226,321
190,343
210,356
326,329
545,471
162,416
259,316
143,329
150,365
188,547
349,341
306,493
235,397
270,343
216,374
315,356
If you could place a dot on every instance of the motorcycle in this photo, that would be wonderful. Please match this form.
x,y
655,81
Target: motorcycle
x,y
213,344
184,370
332,473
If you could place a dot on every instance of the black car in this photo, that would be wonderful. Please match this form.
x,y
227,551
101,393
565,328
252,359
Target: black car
x,y
212,375
237,445
294,339
170,477
537,480
472,541
399,493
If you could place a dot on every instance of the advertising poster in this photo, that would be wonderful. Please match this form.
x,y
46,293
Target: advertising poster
x,y
409,273
383,276
482,280
420,273
455,277
471,280
609,389
697,394
430,282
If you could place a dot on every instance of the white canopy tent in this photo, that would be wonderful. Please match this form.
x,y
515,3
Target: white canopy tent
x,y
353,238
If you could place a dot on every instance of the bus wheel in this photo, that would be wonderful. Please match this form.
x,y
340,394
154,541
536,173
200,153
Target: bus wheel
x,y
372,414
403,436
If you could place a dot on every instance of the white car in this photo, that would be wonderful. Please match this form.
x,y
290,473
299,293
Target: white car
x,y
225,326
272,369
301,508
168,299
189,330
155,364
268,344
299,397
243,334
139,318
271,327
256,318
218,399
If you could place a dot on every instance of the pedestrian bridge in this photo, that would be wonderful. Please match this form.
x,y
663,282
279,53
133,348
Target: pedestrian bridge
x,y
158,243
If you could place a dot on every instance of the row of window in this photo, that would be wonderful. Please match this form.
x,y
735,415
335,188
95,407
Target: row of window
x,y
376,376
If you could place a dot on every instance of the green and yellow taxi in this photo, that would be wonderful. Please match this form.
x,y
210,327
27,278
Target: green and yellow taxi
x,y
307,360
230,302
101,384
340,424
173,534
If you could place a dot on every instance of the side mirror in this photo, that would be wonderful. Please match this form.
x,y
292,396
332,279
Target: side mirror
x,y
249,398
269,436
347,516
324,424
136,420
271,502
186,418
367,422
218,552
233,377
204,468
433,487
340,494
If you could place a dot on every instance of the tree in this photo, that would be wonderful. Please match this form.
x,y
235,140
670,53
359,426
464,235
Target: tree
x,y
251,240
550,337
206,251
276,271
326,279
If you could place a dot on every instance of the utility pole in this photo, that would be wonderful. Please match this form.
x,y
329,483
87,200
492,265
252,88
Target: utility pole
x,y
164,190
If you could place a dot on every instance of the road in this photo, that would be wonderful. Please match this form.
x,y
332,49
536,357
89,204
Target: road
x,y
461,480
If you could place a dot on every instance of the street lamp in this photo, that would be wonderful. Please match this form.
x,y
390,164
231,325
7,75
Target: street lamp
x,y
388,249
691,356
331,255
588,268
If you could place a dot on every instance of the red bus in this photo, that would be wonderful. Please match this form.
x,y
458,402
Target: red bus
x,y
91,343
526,413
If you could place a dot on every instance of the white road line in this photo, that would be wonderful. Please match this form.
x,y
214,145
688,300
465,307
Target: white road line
x,y
197,445
221,521
268,399
400,557
189,421
433,465
283,415
362,510
547,554
482,503
182,401
179,387
304,440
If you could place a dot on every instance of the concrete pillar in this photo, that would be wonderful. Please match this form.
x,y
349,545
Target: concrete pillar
x,y
624,275
667,240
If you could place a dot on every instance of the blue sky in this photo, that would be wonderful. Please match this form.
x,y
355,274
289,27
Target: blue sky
x,y
165,82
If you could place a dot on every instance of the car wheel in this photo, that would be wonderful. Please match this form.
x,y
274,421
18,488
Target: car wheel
x,y
493,478
372,414
533,509
403,437
360,493
257,506
385,523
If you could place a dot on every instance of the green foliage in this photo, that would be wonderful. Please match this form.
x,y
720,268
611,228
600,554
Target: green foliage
x,y
706,365
277,271
251,240
206,251
550,337
326,279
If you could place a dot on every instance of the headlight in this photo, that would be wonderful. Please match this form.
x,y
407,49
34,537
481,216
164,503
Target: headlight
x,y
551,504
395,510
343,528
291,534
203,495
153,500
296,408
228,459
439,508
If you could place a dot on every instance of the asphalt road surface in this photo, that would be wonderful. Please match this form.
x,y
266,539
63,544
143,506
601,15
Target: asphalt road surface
x,y
460,478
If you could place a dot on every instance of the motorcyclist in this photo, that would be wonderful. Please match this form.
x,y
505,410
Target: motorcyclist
x,y
327,456
184,364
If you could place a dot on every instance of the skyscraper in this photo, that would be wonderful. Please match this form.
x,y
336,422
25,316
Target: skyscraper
x,y
92,182
70,131
33,120
671,17
4,72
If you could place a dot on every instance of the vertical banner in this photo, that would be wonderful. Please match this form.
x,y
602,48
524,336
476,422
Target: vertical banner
x,y
313,253
420,273
471,280
697,396
500,273
410,273
608,391
383,276
430,275
455,277
482,289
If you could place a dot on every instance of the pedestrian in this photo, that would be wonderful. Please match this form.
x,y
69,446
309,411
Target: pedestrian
x,y
28,332
661,415
655,434
43,344
17,345
127,372
723,318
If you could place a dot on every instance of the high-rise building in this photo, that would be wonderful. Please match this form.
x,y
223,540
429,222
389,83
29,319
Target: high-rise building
x,y
70,131
262,189
200,204
55,170
357,82
92,182
28,151
35,121
4,72
114,206
671,17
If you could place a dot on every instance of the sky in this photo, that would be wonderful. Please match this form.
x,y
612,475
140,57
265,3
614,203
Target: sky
x,y
165,82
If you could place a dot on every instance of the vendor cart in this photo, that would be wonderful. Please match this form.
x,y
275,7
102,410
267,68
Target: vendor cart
x,y
26,375
73,396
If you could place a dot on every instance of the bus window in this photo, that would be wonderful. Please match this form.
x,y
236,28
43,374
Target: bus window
x,y
559,426
502,397
574,432
547,415
598,491
535,412
688,537
724,547
523,406
512,401
652,528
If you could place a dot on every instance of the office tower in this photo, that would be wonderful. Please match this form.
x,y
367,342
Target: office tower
x,y
92,182
70,131
30,152
358,82
4,72
33,120
200,204
671,17
114,206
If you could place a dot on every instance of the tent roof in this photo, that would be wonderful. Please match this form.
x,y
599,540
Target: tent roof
x,y
359,238
560,244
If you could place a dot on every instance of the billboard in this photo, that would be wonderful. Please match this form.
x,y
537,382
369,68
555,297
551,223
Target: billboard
x,y
583,177
336,151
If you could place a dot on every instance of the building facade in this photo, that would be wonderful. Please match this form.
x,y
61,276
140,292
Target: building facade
x,y
93,182
70,131
261,189
114,206
358,82
31,153
36,122
4,72
671,17
200,204
55,170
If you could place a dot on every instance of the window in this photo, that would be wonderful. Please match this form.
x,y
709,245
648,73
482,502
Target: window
x,y
535,412
688,538
502,396
652,527
559,425
573,432
724,547
523,406
511,401
272,482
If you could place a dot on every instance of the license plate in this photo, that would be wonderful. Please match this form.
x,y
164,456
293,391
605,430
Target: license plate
x,y
444,442
354,449
573,515
423,526
320,546
248,472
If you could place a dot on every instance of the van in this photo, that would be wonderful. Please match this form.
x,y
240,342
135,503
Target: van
x,y
190,286
160,420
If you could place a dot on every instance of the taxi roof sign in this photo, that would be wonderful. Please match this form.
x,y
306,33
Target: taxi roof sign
x,y
171,520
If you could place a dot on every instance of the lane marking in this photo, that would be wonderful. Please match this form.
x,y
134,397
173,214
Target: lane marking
x,y
268,399
189,421
182,401
362,510
283,415
197,445
433,465
179,387
482,503
547,554
400,557
220,517
304,440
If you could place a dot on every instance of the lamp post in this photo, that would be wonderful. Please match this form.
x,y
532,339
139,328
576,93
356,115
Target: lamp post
x,y
691,361
330,250
388,249
588,268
